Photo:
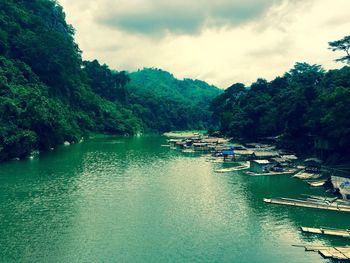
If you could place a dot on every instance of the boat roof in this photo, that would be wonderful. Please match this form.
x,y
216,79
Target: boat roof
x,y
261,161
244,152
263,154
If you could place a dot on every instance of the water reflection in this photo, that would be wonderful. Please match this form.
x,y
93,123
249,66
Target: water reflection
x,y
131,200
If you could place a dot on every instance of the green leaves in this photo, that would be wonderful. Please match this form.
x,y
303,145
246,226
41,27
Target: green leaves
x,y
341,45
106,83
45,96
306,103
165,103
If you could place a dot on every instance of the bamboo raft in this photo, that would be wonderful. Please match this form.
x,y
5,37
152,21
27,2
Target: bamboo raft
x,y
327,231
340,253
311,203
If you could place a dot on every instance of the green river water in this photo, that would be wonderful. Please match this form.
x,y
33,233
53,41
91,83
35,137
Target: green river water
x,y
131,200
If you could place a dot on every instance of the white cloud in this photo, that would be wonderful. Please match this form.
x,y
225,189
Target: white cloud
x,y
181,16
266,43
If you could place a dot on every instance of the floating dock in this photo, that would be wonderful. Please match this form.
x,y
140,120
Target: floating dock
x,y
318,204
327,231
340,253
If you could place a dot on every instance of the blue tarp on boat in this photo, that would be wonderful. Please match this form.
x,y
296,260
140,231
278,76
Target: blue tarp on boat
x,y
228,152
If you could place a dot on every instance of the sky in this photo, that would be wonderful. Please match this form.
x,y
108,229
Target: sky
x,y
221,42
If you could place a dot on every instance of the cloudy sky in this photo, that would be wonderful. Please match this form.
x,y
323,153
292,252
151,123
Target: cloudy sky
x,y
221,41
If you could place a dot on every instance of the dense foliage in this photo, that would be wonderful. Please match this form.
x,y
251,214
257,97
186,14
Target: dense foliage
x,y
166,103
48,95
304,106
106,83
45,97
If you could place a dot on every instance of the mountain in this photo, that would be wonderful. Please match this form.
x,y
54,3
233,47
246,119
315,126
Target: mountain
x,y
166,103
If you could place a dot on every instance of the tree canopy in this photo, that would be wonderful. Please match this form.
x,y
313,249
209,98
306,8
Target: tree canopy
x,y
49,95
165,103
305,104
341,45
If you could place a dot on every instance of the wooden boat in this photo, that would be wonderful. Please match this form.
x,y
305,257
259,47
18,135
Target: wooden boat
x,y
305,175
270,173
317,183
325,204
188,151
221,161
323,199
237,168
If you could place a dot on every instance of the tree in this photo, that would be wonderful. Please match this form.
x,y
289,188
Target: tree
x,y
343,45
109,84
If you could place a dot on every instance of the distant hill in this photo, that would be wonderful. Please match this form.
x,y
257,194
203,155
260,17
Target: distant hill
x,y
164,102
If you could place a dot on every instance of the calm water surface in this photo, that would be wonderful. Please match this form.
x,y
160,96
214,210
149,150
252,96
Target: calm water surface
x,y
131,200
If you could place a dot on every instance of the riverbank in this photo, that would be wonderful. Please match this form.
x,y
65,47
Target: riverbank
x,y
36,153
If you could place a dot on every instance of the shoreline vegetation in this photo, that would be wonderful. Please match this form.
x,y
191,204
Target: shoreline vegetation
x,y
50,96
305,111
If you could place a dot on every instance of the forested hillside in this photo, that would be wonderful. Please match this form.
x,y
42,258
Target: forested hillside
x,y
163,101
49,95
307,108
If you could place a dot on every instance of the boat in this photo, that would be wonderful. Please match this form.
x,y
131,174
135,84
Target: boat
x,y
270,173
305,175
237,168
318,183
188,151
316,202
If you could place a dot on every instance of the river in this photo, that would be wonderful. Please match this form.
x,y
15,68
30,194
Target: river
x,y
131,200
